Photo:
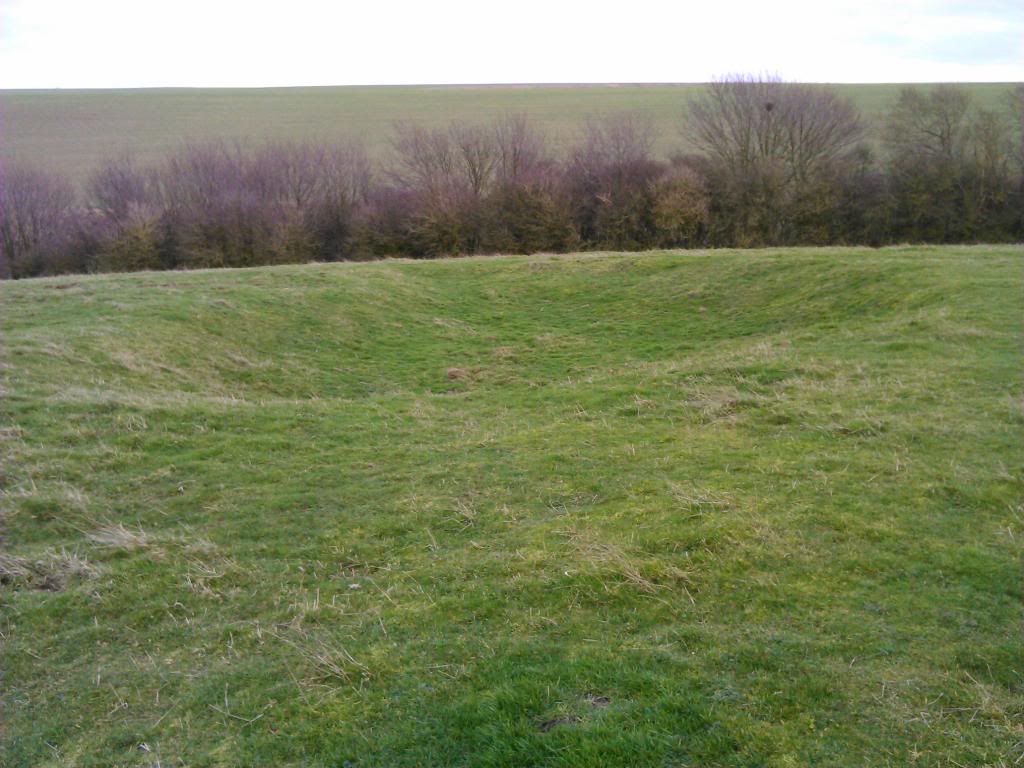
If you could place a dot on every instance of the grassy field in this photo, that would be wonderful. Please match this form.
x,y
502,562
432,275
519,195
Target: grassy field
x,y
729,508
73,130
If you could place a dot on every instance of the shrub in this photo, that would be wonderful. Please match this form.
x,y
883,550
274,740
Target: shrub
x,y
530,218
131,249
680,207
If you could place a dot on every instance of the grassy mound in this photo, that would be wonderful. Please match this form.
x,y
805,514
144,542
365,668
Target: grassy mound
x,y
730,508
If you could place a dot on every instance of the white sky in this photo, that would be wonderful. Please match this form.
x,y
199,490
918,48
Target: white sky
x,y
139,43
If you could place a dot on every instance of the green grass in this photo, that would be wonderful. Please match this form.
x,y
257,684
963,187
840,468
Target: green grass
x,y
73,130
735,508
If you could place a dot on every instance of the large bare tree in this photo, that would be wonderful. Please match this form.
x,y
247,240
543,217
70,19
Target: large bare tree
x,y
743,121
771,151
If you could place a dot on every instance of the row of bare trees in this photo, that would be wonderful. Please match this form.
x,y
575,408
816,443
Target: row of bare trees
x,y
789,163
773,163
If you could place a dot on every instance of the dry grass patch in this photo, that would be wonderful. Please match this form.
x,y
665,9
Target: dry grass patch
x,y
455,325
116,536
11,432
201,575
328,660
608,561
465,513
721,404
241,361
52,572
699,500
456,374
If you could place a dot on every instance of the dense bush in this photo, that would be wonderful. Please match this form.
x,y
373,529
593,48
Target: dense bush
x,y
776,164
680,207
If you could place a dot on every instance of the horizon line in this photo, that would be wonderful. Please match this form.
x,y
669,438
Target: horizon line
x,y
588,84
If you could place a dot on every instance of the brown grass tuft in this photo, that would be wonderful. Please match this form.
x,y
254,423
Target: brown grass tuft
x,y
700,500
51,572
328,660
116,536
456,373
608,559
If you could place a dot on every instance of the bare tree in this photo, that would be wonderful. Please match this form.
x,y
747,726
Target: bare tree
x,y
345,182
949,165
348,174
615,154
200,179
933,125
770,148
621,140
522,149
220,206
450,172
289,173
446,164
37,220
745,120
476,157
120,191
301,175
424,159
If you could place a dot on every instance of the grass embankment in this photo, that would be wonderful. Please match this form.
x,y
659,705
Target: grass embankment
x,y
710,509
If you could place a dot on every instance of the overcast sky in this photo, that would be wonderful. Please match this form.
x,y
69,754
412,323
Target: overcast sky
x,y
138,43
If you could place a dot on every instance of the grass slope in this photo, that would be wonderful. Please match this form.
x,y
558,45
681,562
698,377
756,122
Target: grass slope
x,y
73,130
706,509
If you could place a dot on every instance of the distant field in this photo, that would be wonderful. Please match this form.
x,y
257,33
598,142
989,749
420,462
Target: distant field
x,y
72,130
735,509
